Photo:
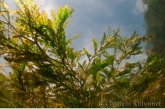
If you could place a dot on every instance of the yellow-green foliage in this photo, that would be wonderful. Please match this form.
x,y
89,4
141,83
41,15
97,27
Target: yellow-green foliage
x,y
47,72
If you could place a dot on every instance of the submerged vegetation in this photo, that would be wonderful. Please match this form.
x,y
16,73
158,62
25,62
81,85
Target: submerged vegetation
x,y
47,72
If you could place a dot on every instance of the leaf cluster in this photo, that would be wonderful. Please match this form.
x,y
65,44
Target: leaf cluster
x,y
47,72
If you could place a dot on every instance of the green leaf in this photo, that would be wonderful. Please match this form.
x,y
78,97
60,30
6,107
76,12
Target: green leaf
x,y
23,66
95,44
84,63
98,77
103,65
44,17
15,40
89,79
69,42
1,25
5,6
78,52
66,23
80,66
13,12
86,52
109,59
126,71
103,39
2,77
49,23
